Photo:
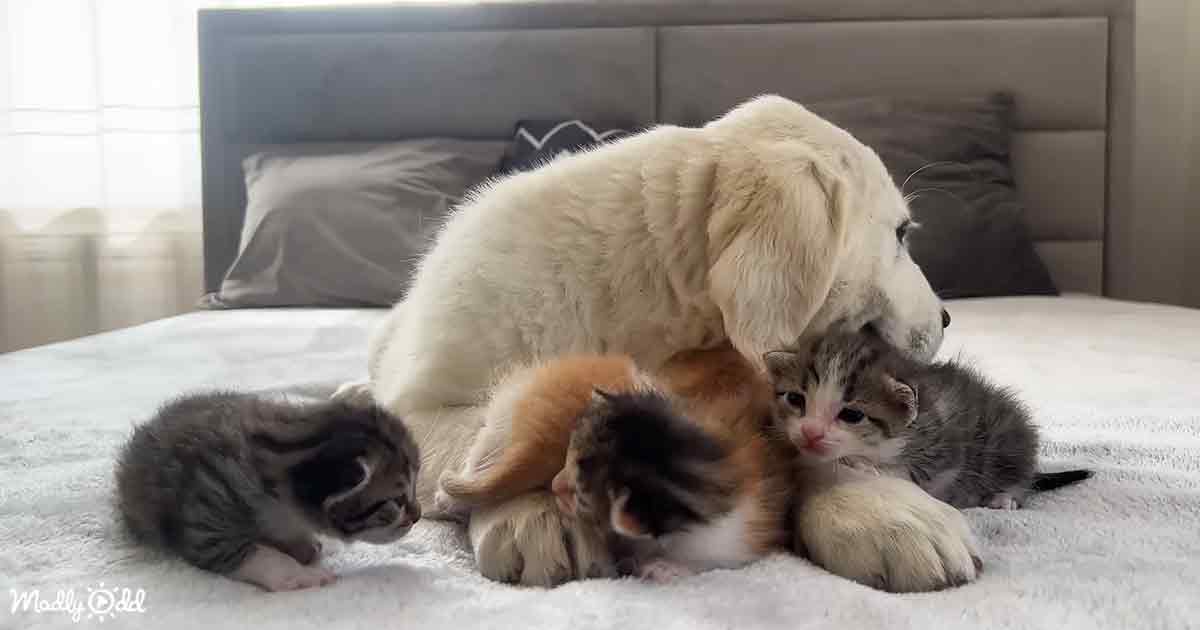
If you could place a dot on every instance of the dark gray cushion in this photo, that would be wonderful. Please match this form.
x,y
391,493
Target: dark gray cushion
x,y
536,142
952,156
343,224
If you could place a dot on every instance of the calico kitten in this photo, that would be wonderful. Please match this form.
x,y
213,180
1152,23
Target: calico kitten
x,y
239,484
677,495
674,467
962,439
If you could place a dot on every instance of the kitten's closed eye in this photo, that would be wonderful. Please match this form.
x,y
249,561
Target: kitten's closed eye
x,y
365,513
850,416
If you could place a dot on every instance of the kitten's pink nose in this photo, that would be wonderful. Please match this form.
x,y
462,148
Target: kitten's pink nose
x,y
412,514
563,493
812,434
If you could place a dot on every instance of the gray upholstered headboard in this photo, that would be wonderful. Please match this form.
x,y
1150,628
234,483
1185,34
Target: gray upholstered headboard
x,y
471,71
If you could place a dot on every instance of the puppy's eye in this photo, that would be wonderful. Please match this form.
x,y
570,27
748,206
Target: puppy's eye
x,y
903,230
795,400
850,416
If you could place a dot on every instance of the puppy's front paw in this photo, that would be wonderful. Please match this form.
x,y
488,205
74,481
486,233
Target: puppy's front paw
x,y
528,541
357,393
887,533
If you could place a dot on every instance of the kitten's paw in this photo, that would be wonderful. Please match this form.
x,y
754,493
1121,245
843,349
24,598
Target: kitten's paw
x,y
357,393
306,577
889,534
528,541
275,570
1002,501
304,551
663,571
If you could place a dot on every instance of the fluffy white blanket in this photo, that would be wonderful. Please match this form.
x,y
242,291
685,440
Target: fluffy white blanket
x,y
1116,387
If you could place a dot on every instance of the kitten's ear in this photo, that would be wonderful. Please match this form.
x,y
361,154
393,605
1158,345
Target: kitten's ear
x,y
601,396
339,469
901,397
350,477
625,522
780,362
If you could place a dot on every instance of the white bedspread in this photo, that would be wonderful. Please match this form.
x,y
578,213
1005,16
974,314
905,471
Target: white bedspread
x,y
1116,387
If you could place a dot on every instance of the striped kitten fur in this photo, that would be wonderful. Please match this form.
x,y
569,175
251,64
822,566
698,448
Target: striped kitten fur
x,y
239,484
961,438
673,467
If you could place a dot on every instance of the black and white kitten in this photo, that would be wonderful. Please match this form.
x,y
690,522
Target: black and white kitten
x,y
961,438
239,484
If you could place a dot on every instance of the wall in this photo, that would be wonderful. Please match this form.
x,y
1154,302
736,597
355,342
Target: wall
x,y
1192,203
1167,150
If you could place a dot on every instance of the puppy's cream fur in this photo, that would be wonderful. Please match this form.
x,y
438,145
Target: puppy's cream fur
x,y
764,226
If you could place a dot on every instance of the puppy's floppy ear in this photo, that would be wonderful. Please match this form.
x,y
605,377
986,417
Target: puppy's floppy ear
x,y
776,233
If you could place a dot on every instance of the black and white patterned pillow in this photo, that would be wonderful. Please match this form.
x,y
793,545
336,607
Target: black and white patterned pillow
x,y
536,142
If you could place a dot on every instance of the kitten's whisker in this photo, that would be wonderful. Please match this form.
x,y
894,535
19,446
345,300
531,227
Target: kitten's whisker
x,y
938,163
917,193
916,172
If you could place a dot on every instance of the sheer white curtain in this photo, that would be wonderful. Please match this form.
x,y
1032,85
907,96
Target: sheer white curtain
x,y
99,108
99,163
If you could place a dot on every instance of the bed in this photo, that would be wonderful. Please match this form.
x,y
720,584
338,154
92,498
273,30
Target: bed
x,y
1112,382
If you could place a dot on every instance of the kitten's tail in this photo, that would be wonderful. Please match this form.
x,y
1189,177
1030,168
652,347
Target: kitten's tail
x,y
1049,481
519,471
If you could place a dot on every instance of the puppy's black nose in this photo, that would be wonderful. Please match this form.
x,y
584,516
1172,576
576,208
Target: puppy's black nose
x,y
945,318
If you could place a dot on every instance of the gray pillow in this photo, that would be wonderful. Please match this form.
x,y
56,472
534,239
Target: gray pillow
x,y
344,224
973,241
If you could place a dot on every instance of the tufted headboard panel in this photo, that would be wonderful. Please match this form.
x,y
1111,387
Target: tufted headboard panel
x,y
385,73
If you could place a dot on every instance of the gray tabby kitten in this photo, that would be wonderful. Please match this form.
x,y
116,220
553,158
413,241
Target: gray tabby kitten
x,y
962,439
239,484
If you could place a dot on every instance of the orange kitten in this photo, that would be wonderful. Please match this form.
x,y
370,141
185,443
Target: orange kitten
x,y
528,425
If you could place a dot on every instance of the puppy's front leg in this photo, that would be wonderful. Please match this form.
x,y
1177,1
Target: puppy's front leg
x,y
882,531
529,541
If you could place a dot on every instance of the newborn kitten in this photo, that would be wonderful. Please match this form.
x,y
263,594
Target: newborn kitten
x,y
962,439
238,484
